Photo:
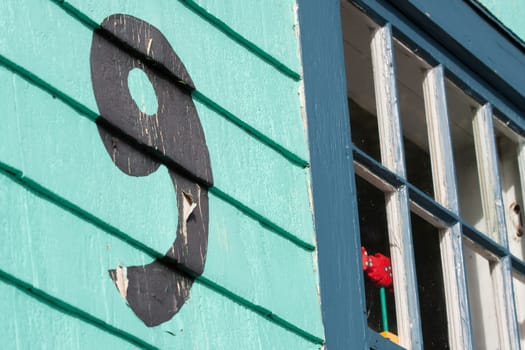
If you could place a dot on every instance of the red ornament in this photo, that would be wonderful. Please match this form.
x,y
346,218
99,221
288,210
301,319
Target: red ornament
x,y
378,268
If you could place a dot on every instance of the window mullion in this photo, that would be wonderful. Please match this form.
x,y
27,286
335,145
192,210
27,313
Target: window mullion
x,y
440,146
494,212
505,306
398,210
492,200
521,168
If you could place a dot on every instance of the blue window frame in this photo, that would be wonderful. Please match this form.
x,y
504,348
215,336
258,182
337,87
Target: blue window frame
x,y
466,69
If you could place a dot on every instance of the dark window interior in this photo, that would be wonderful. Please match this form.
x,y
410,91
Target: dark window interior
x,y
374,237
431,289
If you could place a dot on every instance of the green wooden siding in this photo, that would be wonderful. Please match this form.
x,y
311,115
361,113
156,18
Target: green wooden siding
x,y
221,68
274,31
32,320
260,286
509,12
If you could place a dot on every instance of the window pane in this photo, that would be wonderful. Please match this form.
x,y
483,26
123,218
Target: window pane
x,y
410,73
507,144
357,33
462,110
519,297
374,238
431,289
481,298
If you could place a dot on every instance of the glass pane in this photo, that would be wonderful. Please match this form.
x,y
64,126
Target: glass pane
x,y
481,298
462,110
507,144
374,238
431,289
357,34
410,73
519,299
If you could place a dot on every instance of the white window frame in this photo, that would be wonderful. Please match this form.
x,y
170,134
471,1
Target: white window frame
x,y
443,212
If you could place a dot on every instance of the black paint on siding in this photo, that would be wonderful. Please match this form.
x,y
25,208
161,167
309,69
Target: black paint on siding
x,y
137,142
174,132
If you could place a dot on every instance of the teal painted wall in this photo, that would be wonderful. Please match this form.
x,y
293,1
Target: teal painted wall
x,y
509,12
75,215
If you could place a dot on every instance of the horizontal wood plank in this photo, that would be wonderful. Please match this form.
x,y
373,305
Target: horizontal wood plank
x,y
31,322
57,147
250,19
69,259
221,69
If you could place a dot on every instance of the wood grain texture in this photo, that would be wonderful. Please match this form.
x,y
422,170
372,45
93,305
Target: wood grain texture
x,y
223,70
263,180
70,255
77,251
397,202
494,211
260,161
269,25
32,322
256,175
208,321
451,246
170,133
333,184
156,227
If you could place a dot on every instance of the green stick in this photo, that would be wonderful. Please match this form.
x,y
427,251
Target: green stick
x,y
384,315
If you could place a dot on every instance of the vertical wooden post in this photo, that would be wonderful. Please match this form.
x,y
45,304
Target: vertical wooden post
x,y
445,192
397,207
493,209
333,183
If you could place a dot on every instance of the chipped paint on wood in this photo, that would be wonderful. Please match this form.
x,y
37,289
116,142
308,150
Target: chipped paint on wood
x,y
156,291
121,280
157,205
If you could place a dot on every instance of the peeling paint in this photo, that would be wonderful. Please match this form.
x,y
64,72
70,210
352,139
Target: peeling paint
x,y
188,205
121,280
149,46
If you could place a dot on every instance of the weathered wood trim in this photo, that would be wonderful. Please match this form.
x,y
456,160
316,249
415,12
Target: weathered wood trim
x,y
502,281
520,149
475,41
518,264
375,173
483,241
333,183
397,203
434,211
373,178
493,209
418,37
388,120
364,160
455,63
492,200
440,144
